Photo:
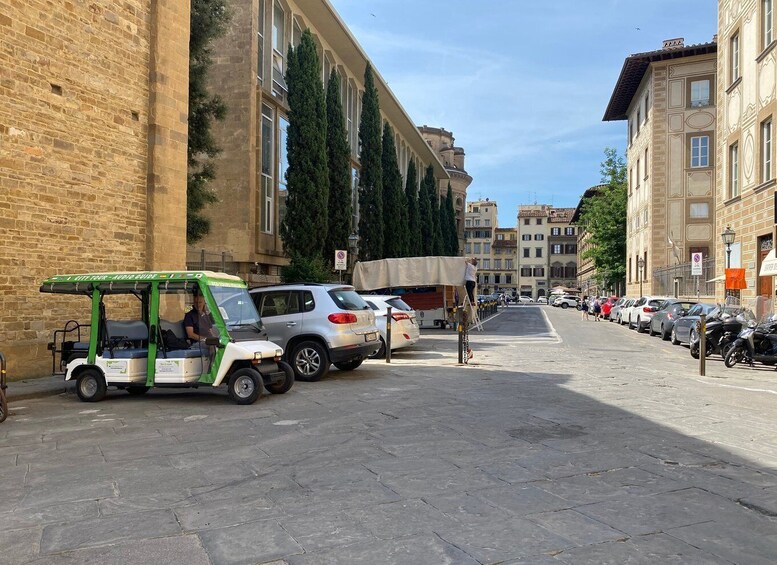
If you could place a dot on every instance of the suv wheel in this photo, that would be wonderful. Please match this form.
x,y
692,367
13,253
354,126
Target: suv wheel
x,y
380,353
564,305
639,326
310,361
349,365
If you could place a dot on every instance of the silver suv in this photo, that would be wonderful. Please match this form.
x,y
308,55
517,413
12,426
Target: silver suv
x,y
316,325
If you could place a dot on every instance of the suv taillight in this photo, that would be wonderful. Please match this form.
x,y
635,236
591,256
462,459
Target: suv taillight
x,y
648,309
342,318
400,316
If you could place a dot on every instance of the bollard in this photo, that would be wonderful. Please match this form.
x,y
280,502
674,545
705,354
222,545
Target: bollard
x,y
388,334
3,399
459,328
702,344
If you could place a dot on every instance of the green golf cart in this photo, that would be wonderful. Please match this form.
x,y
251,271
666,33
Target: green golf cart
x,y
136,338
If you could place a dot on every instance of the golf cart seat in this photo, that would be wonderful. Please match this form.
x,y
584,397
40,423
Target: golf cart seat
x,y
126,339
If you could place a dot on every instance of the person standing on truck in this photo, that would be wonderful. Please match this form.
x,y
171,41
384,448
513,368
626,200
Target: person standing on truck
x,y
471,278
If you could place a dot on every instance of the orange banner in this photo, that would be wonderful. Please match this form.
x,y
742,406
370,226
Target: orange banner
x,y
735,279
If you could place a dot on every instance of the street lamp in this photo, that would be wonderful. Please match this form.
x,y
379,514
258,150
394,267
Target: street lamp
x,y
641,266
728,238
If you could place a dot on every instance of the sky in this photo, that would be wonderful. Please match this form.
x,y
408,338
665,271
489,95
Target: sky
x,y
523,85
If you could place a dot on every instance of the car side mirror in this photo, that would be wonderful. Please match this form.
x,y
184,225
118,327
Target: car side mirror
x,y
212,341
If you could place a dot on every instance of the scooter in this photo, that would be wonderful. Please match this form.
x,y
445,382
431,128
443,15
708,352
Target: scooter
x,y
720,332
757,343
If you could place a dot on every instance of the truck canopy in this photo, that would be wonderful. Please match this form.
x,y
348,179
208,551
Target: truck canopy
x,y
409,271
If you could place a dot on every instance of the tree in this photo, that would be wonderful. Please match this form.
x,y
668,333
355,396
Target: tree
x,y
338,158
425,212
434,206
394,203
604,218
413,217
451,233
307,176
371,175
208,21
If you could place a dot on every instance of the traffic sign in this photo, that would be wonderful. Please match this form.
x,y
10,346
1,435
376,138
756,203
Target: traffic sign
x,y
341,260
696,262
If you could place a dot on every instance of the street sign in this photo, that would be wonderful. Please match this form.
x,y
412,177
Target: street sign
x,y
696,262
341,260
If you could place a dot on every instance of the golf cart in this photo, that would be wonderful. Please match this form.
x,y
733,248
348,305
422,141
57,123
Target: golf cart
x,y
136,339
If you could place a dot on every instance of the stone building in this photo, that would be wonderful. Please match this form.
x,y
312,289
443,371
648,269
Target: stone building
x,y
452,158
479,227
562,248
744,147
93,134
668,98
249,69
586,271
504,260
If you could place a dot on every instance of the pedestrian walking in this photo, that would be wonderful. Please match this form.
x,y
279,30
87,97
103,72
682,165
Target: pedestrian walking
x,y
584,308
597,310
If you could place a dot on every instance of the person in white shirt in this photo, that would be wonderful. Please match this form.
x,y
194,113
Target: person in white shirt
x,y
470,278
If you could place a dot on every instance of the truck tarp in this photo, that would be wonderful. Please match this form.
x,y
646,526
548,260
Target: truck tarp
x,y
409,271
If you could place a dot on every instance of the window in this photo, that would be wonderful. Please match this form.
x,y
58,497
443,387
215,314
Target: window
x,y
539,221
487,223
539,237
526,237
733,168
486,263
500,237
637,171
631,179
485,279
260,42
555,231
570,249
279,87
526,251
766,150
699,210
639,119
556,249
646,163
525,271
700,147
327,70
497,278
526,221
538,251
477,222
508,279
700,93
349,115
734,54
268,167
569,231
767,29
283,165
468,222
645,217
647,103
296,33
509,264
498,264
539,271
631,133
487,247
467,248
477,249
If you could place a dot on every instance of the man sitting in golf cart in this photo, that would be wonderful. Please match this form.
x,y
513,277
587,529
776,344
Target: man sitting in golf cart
x,y
197,323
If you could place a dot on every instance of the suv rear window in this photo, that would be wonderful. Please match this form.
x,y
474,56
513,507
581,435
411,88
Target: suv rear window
x,y
348,299
398,304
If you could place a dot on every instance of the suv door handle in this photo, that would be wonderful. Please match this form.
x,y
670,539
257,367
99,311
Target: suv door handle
x,y
291,324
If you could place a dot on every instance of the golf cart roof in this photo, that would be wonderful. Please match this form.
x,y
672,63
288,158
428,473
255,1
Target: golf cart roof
x,y
134,281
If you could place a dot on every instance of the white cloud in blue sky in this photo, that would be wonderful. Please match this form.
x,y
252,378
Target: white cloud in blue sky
x,y
522,85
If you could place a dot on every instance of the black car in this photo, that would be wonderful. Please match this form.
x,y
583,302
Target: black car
x,y
681,330
670,311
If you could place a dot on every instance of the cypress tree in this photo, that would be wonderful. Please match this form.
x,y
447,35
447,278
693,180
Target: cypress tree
x,y
371,177
439,244
338,158
425,215
413,217
307,176
453,234
394,204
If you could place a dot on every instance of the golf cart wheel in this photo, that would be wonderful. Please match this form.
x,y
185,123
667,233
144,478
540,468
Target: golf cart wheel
x,y
379,354
286,384
310,361
673,337
90,386
349,365
245,386
138,390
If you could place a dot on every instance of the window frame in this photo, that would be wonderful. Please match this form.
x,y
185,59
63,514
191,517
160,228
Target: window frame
x,y
767,158
732,181
735,48
706,156
267,187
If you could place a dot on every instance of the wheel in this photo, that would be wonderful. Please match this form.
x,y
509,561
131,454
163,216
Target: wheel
x,y
245,386
619,320
286,384
379,354
694,345
726,348
733,356
349,365
640,329
674,339
649,329
138,390
91,386
664,333
564,305
310,361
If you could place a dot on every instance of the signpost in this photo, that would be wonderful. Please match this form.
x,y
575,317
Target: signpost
x,y
696,268
341,262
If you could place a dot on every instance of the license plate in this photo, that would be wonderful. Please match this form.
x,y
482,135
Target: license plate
x,y
371,336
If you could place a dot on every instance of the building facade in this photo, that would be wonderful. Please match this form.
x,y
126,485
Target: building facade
x,y
562,248
744,148
533,232
93,137
480,224
249,69
668,100
586,270
504,261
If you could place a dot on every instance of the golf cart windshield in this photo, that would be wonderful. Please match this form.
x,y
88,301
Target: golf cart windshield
x,y
238,312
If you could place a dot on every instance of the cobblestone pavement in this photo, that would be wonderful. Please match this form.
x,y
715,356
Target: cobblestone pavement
x,y
562,442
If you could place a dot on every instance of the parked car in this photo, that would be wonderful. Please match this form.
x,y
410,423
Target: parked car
x,y
404,327
542,300
318,325
607,305
664,319
642,311
526,300
621,311
681,330
567,301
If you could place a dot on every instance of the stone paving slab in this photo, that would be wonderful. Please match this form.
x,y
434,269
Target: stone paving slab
x,y
254,542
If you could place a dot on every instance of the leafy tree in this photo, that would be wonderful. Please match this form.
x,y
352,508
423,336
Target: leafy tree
x,y
451,233
338,158
425,212
604,217
394,203
208,21
371,177
306,269
413,216
307,176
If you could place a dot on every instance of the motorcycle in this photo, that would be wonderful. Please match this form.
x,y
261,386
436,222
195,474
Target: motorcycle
x,y
755,343
722,330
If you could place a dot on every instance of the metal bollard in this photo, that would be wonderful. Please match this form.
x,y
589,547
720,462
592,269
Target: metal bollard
x,y
460,329
388,334
3,386
702,344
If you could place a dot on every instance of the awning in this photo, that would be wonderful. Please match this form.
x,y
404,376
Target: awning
x,y
769,265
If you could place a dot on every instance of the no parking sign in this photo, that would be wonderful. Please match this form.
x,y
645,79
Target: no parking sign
x,y
696,260
341,260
